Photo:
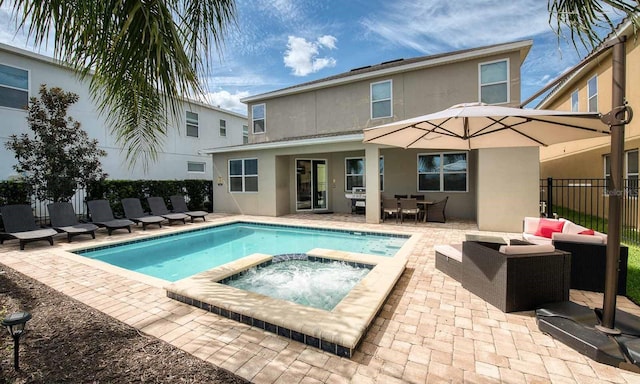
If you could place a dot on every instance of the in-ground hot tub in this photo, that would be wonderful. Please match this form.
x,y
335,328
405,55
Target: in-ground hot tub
x,y
337,331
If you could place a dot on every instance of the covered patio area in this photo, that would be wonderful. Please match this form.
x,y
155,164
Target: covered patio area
x,y
430,329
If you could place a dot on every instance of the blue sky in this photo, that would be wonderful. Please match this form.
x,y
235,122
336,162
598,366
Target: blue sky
x,y
280,43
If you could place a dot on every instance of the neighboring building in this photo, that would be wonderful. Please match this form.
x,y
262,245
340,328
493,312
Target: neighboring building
x,y
587,88
201,126
305,149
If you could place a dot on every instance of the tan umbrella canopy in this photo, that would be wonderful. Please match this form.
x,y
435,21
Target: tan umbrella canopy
x,y
477,125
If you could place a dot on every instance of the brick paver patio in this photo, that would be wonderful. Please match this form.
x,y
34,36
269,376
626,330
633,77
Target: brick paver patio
x,y
430,329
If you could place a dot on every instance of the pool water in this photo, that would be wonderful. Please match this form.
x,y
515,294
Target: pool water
x,y
174,257
311,283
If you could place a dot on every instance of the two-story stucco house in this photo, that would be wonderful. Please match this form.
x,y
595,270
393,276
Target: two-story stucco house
x,y
305,151
201,126
587,88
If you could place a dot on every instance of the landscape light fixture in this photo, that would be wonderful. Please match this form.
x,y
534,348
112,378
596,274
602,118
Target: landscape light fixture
x,y
15,323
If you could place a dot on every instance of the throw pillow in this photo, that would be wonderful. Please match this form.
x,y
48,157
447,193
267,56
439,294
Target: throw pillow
x,y
547,227
587,232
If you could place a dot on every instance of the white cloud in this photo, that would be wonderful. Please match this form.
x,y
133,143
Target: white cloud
x,y
226,100
302,55
435,26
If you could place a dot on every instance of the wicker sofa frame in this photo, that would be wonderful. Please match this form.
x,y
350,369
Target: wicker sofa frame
x,y
589,264
515,282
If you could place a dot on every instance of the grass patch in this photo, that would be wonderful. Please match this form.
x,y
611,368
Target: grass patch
x,y
600,224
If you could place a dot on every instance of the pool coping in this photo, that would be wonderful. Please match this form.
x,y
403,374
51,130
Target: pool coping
x,y
338,331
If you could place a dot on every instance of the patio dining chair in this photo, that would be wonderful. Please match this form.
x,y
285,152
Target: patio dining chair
x,y
409,207
390,207
436,211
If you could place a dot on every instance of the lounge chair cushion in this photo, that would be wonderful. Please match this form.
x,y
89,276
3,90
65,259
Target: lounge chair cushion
x,y
526,249
578,238
35,234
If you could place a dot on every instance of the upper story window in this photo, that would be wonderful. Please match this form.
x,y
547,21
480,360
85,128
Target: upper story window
x,y
574,101
494,82
381,105
592,93
14,87
245,134
258,116
192,124
243,175
442,172
223,128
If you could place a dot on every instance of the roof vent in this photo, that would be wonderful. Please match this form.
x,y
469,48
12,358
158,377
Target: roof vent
x,y
391,61
359,68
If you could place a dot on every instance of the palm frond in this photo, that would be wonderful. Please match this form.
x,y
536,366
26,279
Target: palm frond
x,y
144,57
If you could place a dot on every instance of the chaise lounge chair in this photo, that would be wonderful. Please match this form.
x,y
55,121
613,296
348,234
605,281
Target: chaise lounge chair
x,y
134,212
180,206
102,216
20,224
159,208
64,220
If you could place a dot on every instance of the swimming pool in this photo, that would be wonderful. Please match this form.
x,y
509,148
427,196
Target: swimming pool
x,y
177,256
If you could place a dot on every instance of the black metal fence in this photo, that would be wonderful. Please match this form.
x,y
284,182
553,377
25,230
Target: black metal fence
x,y
585,202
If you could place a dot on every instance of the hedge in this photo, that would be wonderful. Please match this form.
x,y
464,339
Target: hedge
x,y
198,193
15,192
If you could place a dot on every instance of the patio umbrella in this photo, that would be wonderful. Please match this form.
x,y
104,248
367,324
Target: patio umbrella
x,y
477,125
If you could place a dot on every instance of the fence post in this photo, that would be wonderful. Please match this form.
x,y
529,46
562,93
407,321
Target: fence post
x,y
549,197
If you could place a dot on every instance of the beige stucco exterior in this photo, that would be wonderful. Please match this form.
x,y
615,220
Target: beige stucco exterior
x,y
584,159
323,120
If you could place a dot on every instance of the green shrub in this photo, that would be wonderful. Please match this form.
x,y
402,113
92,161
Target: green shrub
x,y
198,193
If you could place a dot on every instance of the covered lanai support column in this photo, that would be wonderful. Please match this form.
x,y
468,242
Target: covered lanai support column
x,y
372,177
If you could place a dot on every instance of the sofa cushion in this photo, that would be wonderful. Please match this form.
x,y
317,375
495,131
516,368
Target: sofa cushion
x,y
451,251
577,238
546,227
572,228
526,249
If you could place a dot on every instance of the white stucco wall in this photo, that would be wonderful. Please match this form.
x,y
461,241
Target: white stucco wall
x,y
177,148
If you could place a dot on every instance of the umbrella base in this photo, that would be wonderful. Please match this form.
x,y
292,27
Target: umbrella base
x,y
575,325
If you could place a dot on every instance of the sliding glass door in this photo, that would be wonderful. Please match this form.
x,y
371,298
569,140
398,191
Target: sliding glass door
x,y
311,184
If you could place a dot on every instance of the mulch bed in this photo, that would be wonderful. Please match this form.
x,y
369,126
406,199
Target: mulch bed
x,y
69,342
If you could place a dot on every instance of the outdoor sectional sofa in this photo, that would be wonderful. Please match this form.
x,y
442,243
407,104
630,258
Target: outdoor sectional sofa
x,y
588,249
510,277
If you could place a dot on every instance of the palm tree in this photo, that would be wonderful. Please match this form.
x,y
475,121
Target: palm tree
x,y
143,56
584,17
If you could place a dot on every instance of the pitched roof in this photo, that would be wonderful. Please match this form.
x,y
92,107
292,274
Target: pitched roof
x,y
396,66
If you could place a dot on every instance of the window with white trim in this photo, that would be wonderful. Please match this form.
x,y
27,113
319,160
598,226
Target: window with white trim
x,y
442,172
192,124
223,128
193,166
575,107
258,118
592,94
245,134
381,100
243,175
355,172
14,87
494,82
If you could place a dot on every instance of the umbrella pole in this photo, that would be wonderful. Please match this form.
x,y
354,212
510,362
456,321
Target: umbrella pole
x,y
615,190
